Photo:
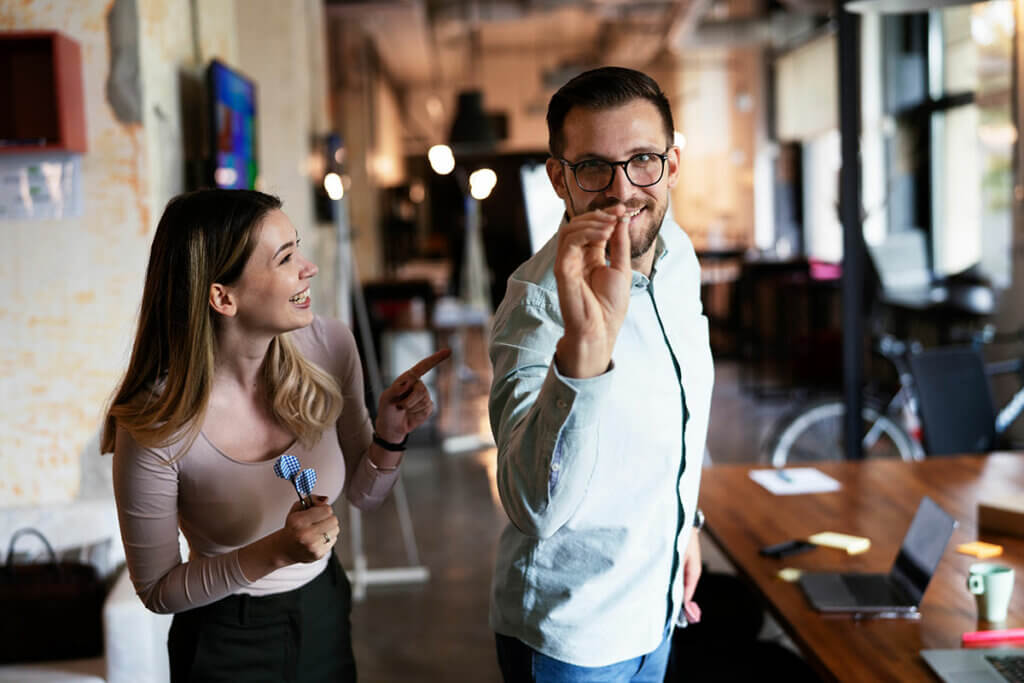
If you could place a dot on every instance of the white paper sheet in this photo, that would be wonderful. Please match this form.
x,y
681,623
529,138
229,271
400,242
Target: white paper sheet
x,y
793,480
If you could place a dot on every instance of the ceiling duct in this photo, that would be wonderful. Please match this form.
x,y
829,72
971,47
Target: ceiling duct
x,y
780,29
901,6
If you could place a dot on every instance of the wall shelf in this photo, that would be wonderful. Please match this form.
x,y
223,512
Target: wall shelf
x,y
41,86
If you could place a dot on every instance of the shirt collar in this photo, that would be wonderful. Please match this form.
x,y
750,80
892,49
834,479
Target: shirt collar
x,y
640,281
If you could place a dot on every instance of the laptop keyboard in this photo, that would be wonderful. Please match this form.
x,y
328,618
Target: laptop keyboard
x,y
1010,667
871,589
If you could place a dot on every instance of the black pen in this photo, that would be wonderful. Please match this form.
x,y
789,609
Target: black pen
x,y
862,616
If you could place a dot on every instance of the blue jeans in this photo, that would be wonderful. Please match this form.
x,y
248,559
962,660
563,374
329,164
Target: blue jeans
x,y
520,663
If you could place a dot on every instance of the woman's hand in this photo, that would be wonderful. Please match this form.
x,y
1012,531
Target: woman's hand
x,y
406,404
309,533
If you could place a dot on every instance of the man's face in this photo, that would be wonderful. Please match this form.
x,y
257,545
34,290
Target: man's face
x,y
616,134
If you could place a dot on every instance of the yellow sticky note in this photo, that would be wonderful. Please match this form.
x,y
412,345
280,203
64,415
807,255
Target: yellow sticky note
x,y
980,549
789,574
853,545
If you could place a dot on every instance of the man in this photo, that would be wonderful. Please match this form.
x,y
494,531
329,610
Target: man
x,y
600,401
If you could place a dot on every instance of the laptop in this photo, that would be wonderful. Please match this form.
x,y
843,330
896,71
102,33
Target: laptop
x,y
996,665
901,261
898,592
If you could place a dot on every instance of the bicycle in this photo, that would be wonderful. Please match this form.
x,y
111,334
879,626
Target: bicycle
x,y
892,428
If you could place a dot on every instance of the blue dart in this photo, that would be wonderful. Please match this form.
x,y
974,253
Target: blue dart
x,y
305,481
288,467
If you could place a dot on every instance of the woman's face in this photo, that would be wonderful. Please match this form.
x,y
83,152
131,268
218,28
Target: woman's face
x,y
272,293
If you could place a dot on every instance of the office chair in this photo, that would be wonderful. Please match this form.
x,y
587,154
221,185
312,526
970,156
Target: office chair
x,y
954,400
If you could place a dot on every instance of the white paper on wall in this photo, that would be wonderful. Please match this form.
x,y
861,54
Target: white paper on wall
x,y
41,186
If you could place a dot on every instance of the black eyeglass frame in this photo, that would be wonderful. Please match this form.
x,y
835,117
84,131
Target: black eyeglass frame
x,y
625,169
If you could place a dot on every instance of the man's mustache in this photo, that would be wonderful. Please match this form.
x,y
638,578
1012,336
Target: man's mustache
x,y
607,204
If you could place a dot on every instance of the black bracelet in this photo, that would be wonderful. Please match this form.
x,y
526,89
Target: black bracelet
x,y
387,445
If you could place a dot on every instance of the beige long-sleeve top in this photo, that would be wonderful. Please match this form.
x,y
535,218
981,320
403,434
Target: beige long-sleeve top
x,y
222,504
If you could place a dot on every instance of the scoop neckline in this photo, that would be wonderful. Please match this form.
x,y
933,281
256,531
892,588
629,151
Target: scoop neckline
x,y
257,463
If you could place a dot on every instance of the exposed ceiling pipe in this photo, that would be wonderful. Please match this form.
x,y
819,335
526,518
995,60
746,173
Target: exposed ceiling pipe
x,y
686,16
778,30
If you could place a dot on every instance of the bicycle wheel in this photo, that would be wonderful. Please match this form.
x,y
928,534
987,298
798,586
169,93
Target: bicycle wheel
x,y
814,433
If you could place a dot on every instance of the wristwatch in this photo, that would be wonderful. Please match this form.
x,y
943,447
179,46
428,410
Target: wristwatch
x,y
698,520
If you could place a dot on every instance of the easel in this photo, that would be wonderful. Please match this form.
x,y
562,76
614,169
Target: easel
x,y
361,575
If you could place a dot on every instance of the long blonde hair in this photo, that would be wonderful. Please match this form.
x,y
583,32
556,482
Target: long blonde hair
x,y
205,237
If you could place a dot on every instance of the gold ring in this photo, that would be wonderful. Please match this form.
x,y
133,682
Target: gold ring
x,y
327,539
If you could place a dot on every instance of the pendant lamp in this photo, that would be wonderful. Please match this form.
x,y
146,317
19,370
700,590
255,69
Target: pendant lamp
x,y
471,129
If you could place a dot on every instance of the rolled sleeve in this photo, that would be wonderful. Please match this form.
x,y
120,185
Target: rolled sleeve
x,y
544,422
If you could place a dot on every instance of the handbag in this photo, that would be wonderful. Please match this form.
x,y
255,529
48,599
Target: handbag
x,y
51,610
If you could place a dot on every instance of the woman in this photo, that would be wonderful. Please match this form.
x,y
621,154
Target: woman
x,y
229,370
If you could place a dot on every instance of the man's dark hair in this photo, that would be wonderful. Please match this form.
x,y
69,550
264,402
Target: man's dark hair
x,y
604,88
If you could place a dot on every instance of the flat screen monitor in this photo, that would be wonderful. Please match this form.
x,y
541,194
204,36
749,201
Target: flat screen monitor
x,y
544,210
232,98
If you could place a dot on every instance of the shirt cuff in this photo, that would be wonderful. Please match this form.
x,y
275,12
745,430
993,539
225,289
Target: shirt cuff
x,y
369,485
580,398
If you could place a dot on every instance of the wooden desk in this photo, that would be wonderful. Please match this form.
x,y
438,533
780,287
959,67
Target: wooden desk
x,y
878,500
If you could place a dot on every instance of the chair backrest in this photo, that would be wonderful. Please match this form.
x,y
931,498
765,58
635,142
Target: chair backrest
x,y
954,400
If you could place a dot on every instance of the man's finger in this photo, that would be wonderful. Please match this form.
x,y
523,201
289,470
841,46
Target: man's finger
x,y
583,237
606,214
618,247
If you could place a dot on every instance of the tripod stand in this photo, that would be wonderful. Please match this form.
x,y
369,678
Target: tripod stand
x,y
361,575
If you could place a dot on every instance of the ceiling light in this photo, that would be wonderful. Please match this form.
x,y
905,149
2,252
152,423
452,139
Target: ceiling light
x,y
417,192
333,185
435,108
481,182
441,159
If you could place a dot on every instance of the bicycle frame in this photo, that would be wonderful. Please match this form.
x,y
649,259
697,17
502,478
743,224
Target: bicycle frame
x,y
1015,405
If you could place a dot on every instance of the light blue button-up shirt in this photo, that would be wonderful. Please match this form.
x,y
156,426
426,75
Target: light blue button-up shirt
x,y
598,476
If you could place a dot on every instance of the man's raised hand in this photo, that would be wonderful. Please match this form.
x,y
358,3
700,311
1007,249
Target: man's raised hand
x,y
593,273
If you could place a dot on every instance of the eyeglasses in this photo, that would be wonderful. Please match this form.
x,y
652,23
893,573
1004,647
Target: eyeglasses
x,y
596,175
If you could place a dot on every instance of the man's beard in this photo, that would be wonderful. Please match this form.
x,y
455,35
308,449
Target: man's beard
x,y
645,241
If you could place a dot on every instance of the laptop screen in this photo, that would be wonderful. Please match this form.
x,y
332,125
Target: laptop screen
x,y
902,261
922,548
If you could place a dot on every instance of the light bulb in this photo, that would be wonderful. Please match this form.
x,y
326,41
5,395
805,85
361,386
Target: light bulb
x,y
481,182
333,185
441,159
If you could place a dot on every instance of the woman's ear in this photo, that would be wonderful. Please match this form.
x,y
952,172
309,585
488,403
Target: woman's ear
x,y
222,300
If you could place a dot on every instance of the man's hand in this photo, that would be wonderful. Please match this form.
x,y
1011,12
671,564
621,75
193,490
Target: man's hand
x,y
593,294
691,575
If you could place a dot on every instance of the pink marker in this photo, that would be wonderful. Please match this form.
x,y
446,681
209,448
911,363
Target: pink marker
x,y
996,635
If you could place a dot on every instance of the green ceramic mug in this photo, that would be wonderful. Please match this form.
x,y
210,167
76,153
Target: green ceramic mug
x,y
992,585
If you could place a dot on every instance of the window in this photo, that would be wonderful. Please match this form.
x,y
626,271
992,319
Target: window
x,y
949,134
